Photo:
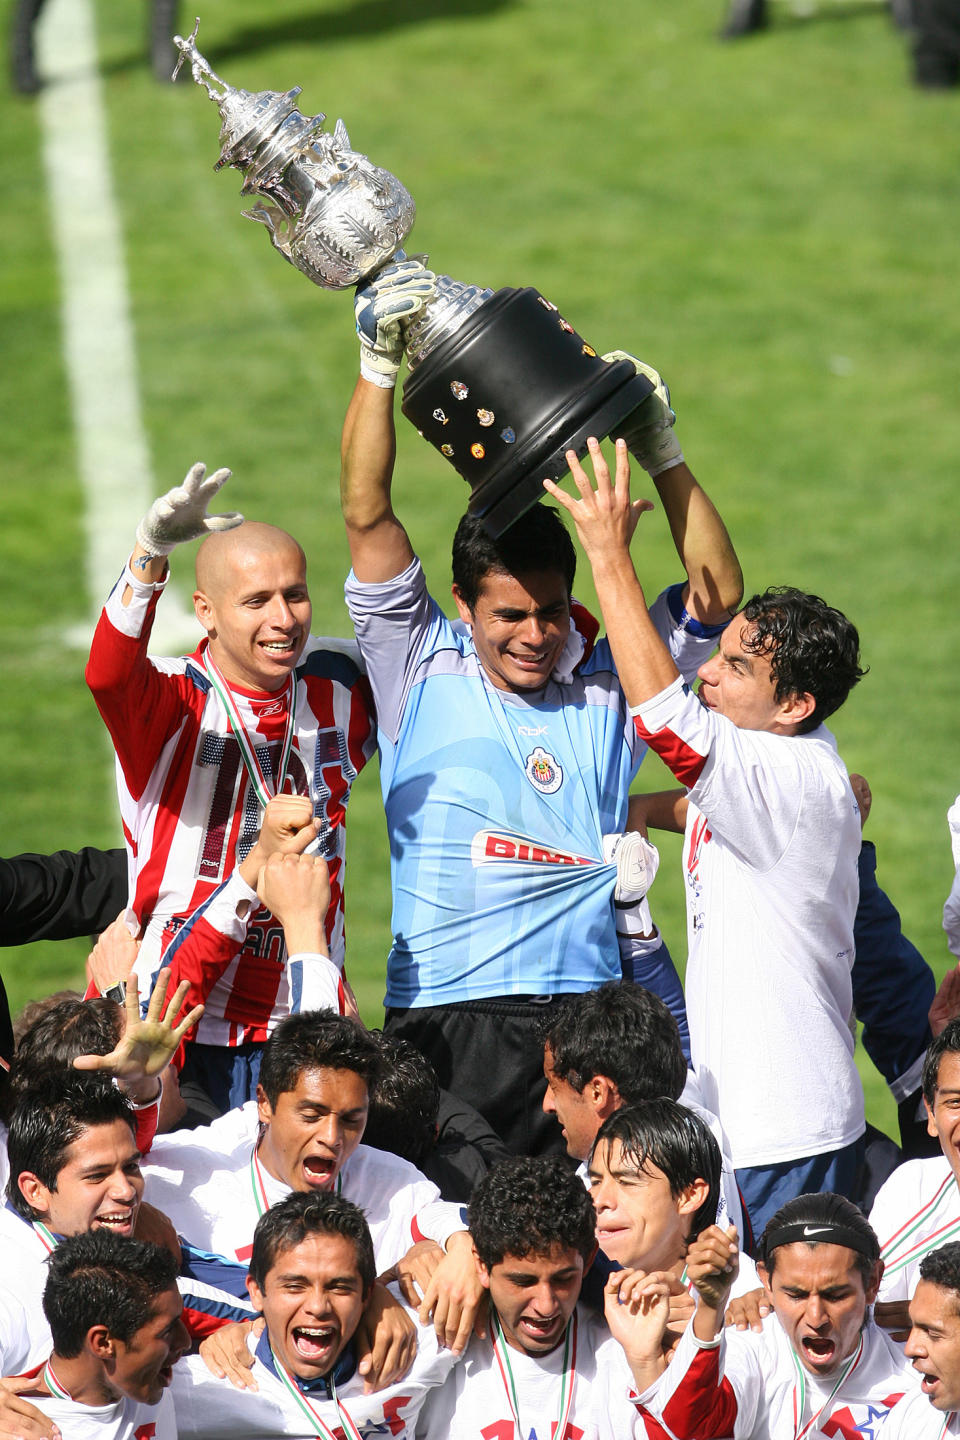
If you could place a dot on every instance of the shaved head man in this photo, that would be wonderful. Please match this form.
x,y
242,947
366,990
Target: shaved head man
x,y
252,600
260,708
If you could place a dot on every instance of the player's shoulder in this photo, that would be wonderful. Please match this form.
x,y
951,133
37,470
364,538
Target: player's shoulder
x,y
368,1168
328,657
914,1180
224,1137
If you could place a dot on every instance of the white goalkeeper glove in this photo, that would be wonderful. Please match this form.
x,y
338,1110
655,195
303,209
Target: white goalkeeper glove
x,y
649,431
637,862
181,514
400,291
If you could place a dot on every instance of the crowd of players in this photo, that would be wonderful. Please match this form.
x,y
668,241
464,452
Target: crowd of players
x,y
232,1209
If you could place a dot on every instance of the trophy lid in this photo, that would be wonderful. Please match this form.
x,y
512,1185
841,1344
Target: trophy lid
x,y
248,116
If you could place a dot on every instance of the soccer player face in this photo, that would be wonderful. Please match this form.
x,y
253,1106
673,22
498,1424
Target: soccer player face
x,y
535,1296
578,1119
314,1128
258,615
739,685
934,1343
520,625
640,1223
99,1186
821,1302
143,1368
943,1116
312,1300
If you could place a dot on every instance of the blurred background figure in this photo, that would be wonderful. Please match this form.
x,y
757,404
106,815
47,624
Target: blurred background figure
x,y
162,22
933,27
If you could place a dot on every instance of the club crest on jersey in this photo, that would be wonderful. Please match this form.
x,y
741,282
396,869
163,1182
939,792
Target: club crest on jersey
x,y
490,847
543,771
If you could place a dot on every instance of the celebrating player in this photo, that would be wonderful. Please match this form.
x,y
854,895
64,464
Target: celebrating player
x,y
547,1367
506,750
312,1270
772,835
260,708
115,1319
820,1366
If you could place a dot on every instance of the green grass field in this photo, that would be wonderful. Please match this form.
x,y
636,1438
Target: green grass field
x,y
774,224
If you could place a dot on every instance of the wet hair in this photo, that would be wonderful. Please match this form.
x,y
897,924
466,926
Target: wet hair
x,y
675,1140
58,1033
317,1040
813,649
621,1031
48,1117
404,1102
304,1213
103,1279
531,1206
825,1212
946,1043
535,543
942,1267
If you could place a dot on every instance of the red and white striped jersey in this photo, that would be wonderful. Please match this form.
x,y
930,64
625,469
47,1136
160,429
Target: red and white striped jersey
x,y
189,811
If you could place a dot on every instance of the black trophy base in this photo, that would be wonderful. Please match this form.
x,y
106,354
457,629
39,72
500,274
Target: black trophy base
x,y
505,396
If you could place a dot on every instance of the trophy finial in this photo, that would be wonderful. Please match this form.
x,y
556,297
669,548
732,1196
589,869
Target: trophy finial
x,y
203,73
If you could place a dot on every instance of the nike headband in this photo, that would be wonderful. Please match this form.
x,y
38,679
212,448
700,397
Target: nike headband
x,y
827,1232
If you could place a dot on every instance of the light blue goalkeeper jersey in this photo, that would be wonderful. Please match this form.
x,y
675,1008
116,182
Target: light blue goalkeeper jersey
x,y
497,802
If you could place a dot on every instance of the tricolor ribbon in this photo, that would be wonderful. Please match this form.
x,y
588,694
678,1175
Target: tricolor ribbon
x,y
256,772
800,1391
567,1380
916,1249
319,1424
46,1237
53,1384
260,1200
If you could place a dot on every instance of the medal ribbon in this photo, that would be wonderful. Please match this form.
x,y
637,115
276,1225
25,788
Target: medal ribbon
x,y
260,1200
255,770
45,1236
902,1236
303,1401
568,1379
801,1387
53,1384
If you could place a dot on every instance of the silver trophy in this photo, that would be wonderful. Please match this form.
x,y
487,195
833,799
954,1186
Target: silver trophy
x,y
499,382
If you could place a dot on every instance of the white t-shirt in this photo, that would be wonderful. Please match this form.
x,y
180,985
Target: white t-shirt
x,y
202,1179
24,1333
750,1387
916,1419
475,1402
916,1210
124,1420
770,864
208,1407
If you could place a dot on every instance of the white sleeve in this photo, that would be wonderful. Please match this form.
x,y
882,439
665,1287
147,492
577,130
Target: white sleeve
x,y
951,917
751,786
314,983
439,1220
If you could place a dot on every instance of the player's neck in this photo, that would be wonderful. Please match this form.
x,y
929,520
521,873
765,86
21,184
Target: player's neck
x,y
82,1377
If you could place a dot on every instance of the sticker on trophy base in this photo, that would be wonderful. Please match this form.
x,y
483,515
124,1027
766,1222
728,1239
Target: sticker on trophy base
x,y
460,391
508,435
446,450
440,416
486,417
477,451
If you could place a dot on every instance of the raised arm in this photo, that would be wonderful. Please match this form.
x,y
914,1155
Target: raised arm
x,y
715,580
606,519
379,547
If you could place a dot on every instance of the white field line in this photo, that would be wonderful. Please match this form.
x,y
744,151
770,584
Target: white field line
x,y
112,451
